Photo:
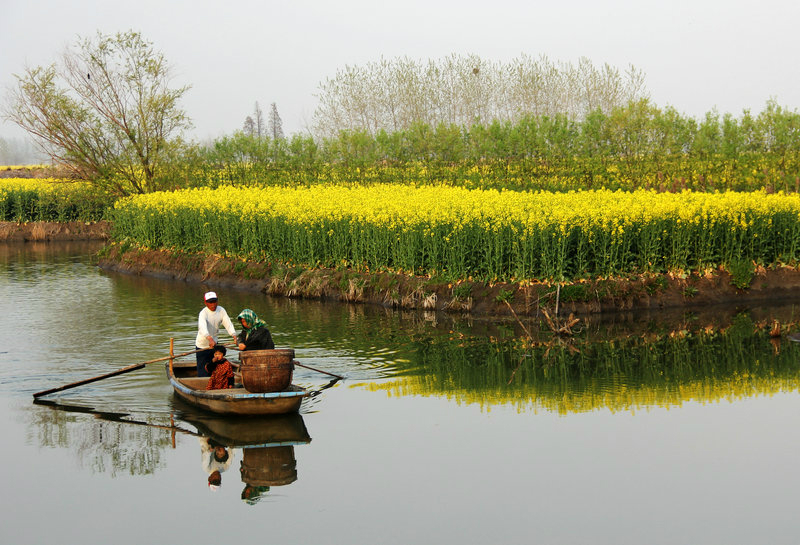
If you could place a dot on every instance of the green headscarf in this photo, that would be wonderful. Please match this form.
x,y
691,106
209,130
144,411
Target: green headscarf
x,y
252,319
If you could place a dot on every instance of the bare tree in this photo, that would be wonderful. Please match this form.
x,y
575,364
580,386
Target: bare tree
x,y
460,90
259,121
105,111
249,127
275,123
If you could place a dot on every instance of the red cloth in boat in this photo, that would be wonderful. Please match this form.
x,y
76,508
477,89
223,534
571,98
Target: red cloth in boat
x,y
221,377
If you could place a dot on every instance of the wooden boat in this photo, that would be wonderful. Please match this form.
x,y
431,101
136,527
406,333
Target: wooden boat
x,y
231,401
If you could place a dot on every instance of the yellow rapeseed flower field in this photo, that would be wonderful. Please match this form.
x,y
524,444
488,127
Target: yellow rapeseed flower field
x,y
485,233
50,199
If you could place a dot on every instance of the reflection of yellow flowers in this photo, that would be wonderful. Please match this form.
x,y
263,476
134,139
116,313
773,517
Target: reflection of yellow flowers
x,y
596,397
503,234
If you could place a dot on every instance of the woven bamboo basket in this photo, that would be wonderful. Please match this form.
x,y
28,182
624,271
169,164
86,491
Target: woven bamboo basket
x,y
266,370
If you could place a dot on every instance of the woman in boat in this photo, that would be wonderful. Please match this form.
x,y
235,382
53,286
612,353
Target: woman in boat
x,y
219,370
255,335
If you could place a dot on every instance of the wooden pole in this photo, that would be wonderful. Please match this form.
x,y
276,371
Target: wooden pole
x,y
111,374
318,370
88,380
171,354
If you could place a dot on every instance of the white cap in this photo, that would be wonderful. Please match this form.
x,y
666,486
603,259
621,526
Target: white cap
x,y
210,295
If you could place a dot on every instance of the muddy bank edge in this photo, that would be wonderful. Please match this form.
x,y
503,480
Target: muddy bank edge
x,y
595,296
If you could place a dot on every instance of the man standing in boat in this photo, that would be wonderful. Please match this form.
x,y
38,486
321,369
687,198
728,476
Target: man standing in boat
x,y
208,324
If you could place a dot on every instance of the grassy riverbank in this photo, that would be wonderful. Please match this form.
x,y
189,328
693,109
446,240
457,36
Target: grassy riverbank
x,y
479,298
466,232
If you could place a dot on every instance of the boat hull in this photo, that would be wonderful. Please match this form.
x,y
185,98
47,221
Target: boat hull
x,y
235,401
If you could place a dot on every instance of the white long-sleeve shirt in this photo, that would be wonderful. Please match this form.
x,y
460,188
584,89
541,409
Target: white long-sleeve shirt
x,y
208,324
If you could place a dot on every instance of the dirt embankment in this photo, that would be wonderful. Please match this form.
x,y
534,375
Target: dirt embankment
x,y
36,172
643,292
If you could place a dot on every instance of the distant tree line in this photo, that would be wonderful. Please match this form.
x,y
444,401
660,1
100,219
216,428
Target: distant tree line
x,y
19,151
638,142
108,112
394,95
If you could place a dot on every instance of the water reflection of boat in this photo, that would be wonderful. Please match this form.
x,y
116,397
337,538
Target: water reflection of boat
x,y
267,445
262,431
232,401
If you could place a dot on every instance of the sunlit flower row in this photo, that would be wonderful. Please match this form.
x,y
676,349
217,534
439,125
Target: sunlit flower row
x,y
484,233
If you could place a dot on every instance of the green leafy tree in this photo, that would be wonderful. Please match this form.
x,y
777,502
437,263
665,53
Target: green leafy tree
x,y
105,111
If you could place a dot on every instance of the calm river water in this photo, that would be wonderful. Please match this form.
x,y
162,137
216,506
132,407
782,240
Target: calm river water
x,y
444,431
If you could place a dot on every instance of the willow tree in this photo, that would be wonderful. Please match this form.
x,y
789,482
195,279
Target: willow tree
x,y
105,111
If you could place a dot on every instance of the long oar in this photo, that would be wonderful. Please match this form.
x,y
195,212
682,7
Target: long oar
x,y
128,369
318,370
313,369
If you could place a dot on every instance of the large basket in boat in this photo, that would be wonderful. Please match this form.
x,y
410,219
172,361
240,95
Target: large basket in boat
x,y
266,370
268,466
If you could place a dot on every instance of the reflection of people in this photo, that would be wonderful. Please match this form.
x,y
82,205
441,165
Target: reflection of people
x,y
208,324
220,370
215,459
251,494
255,335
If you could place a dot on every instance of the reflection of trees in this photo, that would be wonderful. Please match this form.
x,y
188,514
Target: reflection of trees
x,y
625,373
104,442
115,443
46,253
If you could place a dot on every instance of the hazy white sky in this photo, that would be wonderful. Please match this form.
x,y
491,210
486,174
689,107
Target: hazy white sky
x,y
696,55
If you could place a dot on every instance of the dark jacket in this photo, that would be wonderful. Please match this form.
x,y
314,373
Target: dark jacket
x,y
259,339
